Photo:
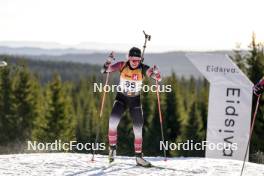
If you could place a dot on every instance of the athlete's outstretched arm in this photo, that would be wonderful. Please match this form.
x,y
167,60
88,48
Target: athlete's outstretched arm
x,y
154,73
108,67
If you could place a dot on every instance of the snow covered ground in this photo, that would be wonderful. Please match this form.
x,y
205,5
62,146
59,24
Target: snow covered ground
x,y
80,164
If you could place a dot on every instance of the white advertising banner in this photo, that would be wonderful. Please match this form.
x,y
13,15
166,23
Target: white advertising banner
x,y
229,106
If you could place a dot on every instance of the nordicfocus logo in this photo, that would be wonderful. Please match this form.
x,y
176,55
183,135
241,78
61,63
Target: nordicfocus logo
x,y
189,145
130,87
58,145
218,69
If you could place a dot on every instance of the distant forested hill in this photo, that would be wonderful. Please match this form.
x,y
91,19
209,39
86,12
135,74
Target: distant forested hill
x,y
167,61
69,71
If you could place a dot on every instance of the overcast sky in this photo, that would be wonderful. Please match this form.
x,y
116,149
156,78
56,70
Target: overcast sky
x,y
173,24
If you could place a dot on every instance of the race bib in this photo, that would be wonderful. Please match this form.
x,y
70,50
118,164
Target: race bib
x,y
132,86
131,80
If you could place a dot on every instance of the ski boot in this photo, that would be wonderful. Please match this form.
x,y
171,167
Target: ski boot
x,y
141,161
112,153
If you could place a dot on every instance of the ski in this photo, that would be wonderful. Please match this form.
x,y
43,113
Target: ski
x,y
156,167
147,166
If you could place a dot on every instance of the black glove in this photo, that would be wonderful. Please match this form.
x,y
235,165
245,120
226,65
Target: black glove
x,y
259,87
105,66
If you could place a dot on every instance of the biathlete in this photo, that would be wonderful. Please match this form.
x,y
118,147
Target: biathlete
x,y
132,73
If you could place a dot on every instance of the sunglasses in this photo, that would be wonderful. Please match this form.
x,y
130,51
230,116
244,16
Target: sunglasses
x,y
135,61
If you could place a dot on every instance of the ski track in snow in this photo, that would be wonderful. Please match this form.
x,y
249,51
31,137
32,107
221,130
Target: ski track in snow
x,y
70,164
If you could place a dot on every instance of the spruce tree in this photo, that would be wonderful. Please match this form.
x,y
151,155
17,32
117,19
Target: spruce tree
x,y
148,115
240,59
192,130
154,135
7,120
192,125
174,110
26,103
86,112
202,99
255,73
60,118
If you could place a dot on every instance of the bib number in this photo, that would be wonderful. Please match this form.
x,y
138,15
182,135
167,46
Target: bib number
x,y
130,85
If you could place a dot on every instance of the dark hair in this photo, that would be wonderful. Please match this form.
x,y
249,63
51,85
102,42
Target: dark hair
x,y
135,52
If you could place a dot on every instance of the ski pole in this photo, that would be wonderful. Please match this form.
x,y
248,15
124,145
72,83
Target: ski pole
x,y
250,135
147,38
111,56
161,120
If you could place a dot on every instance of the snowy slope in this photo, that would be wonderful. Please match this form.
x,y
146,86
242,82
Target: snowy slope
x,y
80,164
